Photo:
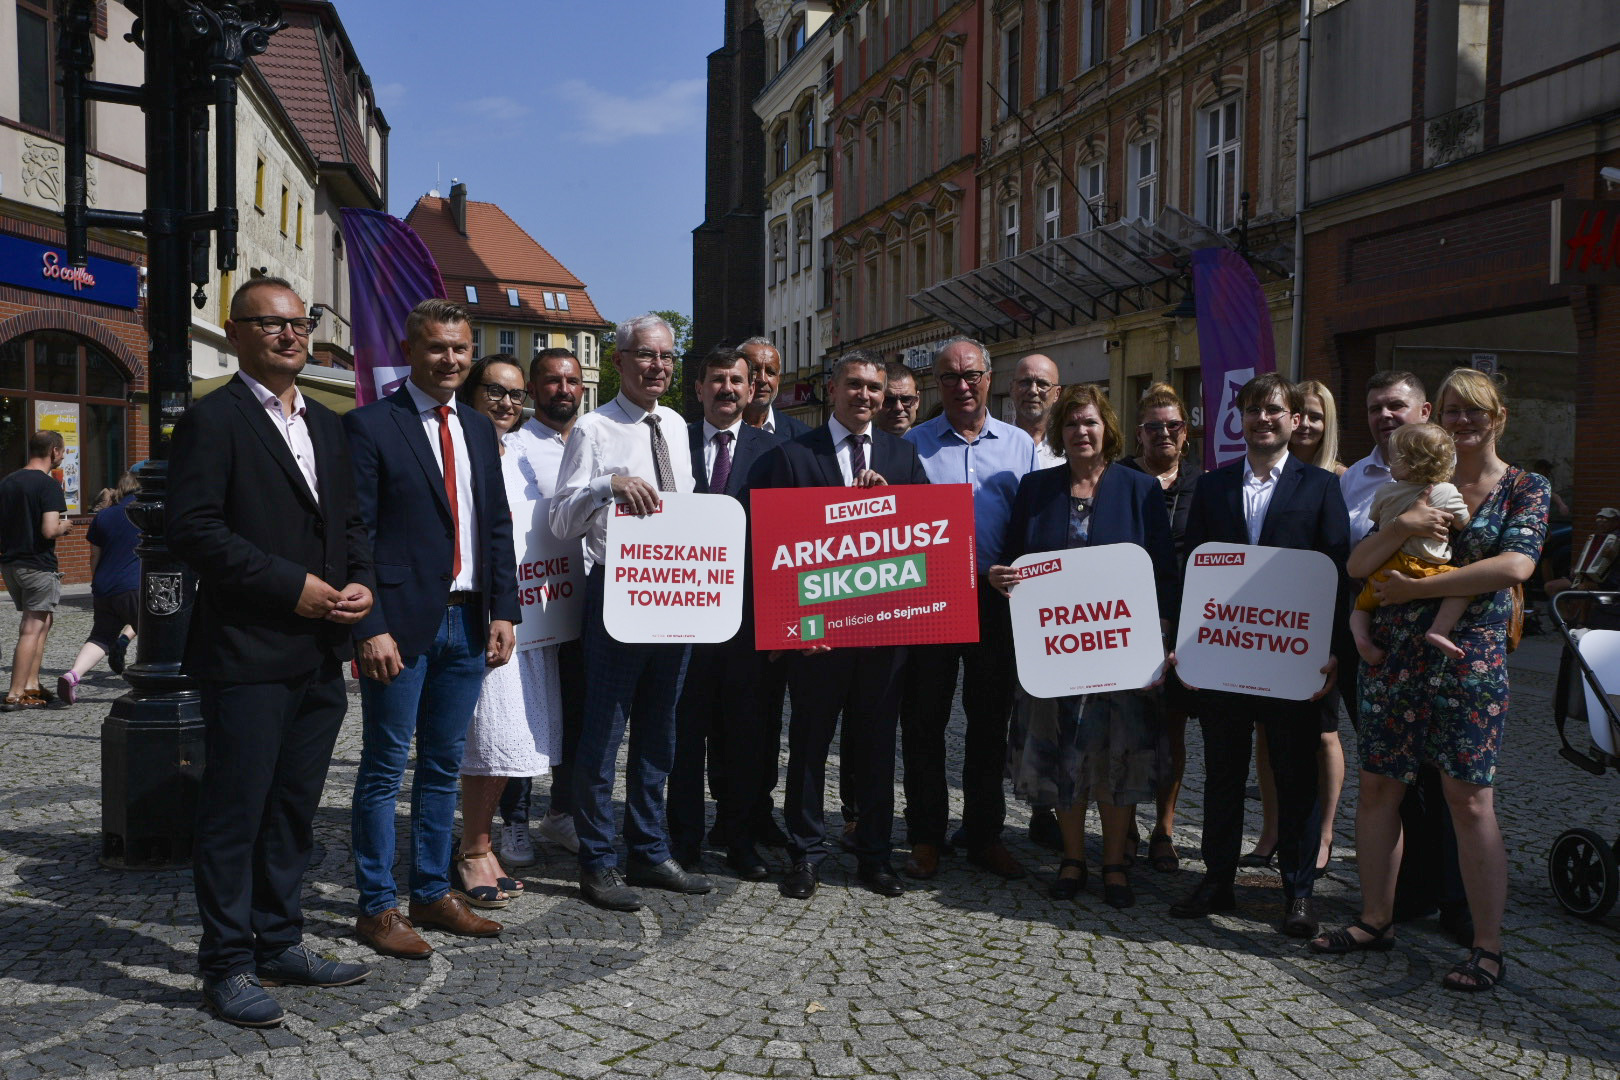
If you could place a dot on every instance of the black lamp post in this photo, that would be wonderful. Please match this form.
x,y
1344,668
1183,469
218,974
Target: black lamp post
x,y
152,741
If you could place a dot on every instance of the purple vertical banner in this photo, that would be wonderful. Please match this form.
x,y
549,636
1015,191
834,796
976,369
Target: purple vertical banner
x,y
1234,345
390,272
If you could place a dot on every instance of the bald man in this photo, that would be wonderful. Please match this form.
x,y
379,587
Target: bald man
x,y
1035,391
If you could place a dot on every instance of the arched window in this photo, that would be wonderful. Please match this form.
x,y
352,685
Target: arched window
x,y
805,124
57,379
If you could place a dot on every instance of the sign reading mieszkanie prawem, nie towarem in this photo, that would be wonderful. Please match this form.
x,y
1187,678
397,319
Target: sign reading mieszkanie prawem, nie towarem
x,y
1086,621
675,575
1256,620
864,566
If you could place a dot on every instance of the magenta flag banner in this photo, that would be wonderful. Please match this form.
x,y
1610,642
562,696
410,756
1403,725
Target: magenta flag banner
x,y
390,272
1235,344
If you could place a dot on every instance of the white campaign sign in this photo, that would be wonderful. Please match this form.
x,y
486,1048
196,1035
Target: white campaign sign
x,y
550,576
1256,620
1086,621
675,575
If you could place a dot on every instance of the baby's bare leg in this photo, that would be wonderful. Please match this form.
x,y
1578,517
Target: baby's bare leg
x,y
1445,621
1361,630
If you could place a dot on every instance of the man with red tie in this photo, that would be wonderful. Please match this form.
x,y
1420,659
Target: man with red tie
x,y
428,481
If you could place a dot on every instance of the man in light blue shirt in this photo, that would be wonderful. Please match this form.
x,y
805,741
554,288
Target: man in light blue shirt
x,y
965,445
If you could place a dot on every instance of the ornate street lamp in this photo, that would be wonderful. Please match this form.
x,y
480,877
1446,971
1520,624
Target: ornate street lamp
x,y
152,741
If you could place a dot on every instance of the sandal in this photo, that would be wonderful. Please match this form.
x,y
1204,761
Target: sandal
x,y
1067,888
479,896
1119,896
1339,942
1469,969
1164,864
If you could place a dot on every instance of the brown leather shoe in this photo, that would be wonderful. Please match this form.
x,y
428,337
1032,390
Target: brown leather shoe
x,y
996,859
450,912
392,934
924,861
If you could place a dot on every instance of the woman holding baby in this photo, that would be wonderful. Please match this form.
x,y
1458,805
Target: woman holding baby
x,y
1421,702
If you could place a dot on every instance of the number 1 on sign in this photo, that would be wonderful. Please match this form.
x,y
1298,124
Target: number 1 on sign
x,y
813,627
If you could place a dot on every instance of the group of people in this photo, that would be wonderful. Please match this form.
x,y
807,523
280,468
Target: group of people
x,y
386,536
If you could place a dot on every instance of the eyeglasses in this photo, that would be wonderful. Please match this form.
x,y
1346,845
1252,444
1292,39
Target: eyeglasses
x,y
957,378
495,392
1270,412
1163,427
1039,384
647,356
273,325
1473,416
904,401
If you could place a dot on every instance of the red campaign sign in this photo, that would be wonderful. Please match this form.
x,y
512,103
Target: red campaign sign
x,y
864,566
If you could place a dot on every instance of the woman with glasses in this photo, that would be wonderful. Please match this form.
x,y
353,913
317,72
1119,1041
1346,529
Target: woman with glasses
x,y
1161,452
516,727
1420,705
1067,752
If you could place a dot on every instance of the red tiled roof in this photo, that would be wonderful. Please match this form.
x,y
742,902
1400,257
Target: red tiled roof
x,y
496,255
305,67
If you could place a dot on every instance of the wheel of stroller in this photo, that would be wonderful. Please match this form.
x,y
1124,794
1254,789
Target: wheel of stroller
x,y
1582,871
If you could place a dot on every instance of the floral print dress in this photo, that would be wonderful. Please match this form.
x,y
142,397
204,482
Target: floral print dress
x,y
1421,706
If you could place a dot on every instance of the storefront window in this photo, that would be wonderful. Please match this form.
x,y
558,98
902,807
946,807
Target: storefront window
x,y
60,378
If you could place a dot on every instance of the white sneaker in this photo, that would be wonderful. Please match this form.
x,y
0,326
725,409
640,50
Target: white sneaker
x,y
559,829
516,847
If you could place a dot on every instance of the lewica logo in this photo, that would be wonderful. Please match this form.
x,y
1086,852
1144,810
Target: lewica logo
x,y
859,509
1222,558
623,509
1050,566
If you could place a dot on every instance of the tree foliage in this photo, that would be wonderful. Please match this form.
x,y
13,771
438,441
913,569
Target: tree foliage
x,y
608,387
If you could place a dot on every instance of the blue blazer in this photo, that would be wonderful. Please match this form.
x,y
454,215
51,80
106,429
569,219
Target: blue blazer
x,y
1128,509
400,489
790,427
1307,512
752,444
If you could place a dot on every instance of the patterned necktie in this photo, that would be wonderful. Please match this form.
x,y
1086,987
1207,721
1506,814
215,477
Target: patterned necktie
x,y
722,462
447,455
660,452
857,456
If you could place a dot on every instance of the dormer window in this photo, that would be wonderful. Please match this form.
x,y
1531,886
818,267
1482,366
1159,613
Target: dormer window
x,y
512,297
472,294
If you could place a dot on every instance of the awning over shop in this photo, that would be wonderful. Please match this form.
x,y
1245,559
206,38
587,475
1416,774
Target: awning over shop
x,y
1122,267
332,387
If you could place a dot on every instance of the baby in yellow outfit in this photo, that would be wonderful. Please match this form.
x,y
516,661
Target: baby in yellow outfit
x,y
1421,459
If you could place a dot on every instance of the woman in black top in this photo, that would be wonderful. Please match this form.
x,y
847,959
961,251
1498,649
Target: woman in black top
x,y
1161,452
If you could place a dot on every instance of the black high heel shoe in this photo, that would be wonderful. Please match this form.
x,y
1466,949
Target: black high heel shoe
x,y
1119,896
1255,860
1067,888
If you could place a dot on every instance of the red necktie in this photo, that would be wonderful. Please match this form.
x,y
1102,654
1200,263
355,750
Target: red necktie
x,y
447,455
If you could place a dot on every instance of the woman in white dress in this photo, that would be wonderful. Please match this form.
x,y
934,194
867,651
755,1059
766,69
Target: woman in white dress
x,y
516,727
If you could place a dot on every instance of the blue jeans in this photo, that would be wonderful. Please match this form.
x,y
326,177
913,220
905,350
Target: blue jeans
x,y
432,699
639,684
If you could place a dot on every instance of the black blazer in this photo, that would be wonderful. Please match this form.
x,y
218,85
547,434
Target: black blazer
x,y
752,444
810,461
789,427
242,517
1128,508
1307,512
400,488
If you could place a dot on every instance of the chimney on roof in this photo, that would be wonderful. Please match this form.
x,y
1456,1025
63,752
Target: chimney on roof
x,y
458,206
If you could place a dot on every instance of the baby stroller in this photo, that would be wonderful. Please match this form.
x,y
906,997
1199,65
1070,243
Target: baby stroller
x,y
1581,866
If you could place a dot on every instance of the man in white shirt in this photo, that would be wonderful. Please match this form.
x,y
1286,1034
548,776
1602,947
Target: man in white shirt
x,y
556,386
626,452
765,377
1035,390
1394,398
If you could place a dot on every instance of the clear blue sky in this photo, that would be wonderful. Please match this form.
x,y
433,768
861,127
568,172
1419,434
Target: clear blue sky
x,y
583,121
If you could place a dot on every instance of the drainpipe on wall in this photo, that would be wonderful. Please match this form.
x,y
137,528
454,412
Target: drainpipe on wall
x,y
1301,160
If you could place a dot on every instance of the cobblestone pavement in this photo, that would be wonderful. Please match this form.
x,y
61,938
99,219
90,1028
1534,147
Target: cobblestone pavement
x,y
962,977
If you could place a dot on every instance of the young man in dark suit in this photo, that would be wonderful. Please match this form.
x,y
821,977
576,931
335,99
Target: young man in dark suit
x,y
1274,500
261,507
719,708
428,478
861,684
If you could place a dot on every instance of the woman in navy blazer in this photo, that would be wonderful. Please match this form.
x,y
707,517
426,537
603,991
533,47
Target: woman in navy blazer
x,y
1111,747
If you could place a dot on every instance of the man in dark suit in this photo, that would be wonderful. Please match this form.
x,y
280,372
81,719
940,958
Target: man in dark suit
x,y
862,684
428,478
765,378
719,707
261,507
1274,500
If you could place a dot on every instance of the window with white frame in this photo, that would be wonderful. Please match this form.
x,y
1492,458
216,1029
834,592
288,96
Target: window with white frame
x,y
1012,75
803,238
512,298
1220,179
1051,213
509,342
478,341
1051,44
1009,230
1142,197
539,338
1144,17
1093,187
1093,33
472,294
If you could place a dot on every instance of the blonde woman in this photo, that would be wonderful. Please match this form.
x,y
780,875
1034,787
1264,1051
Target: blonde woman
x,y
1316,440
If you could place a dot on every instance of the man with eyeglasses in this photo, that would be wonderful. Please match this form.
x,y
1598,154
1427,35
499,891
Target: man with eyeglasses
x,y
625,453
900,399
765,377
1272,499
262,508
1035,391
965,445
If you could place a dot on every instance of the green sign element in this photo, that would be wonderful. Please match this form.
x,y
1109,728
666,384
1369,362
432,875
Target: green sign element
x,y
813,627
862,579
